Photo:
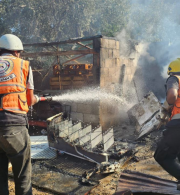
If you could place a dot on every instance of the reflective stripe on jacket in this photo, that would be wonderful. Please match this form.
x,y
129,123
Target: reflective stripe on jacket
x,y
13,77
176,108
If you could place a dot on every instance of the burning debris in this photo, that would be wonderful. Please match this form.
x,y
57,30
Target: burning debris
x,y
147,115
71,138
82,142
104,151
79,145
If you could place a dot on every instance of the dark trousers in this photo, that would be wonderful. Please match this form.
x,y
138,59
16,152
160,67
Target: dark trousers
x,y
168,152
15,147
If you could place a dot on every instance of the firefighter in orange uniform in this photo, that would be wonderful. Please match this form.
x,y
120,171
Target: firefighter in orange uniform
x,y
16,95
168,151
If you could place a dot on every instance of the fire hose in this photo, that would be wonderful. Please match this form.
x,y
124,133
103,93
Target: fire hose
x,y
41,99
47,98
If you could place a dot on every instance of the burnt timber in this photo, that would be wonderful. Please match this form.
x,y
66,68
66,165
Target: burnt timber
x,y
59,53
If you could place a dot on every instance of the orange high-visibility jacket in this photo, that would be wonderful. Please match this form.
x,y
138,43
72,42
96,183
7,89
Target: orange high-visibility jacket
x,y
13,76
176,108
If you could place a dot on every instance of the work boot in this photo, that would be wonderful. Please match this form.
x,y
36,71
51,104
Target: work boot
x,y
178,185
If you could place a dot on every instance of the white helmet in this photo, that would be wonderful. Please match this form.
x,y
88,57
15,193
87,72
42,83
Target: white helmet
x,y
11,42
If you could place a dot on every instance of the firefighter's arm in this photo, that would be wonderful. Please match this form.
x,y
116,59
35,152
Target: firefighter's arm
x,y
168,106
31,98
172,95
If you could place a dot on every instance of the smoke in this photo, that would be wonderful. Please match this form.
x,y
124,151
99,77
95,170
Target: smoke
x,y
152,38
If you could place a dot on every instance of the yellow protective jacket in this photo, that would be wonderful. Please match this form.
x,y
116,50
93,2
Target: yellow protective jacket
x,y
176,108
13,76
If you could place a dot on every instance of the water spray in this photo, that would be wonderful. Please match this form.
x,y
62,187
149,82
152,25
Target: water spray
x,y
87,95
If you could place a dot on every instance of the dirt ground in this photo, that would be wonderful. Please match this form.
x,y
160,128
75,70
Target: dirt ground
x,y
36,191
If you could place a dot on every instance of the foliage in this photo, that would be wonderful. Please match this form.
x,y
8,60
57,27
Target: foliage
x,y
55,20
52,20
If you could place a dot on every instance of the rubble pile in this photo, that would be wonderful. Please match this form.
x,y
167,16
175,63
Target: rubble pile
x,y
146,114
140,144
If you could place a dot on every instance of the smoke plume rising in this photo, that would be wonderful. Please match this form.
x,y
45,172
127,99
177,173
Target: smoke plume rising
x,y
152,38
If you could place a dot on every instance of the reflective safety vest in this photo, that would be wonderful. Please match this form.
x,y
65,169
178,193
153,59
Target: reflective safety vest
x,y
13,76
176,108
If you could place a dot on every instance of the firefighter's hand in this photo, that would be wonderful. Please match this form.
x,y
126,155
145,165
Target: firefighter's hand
x,y
167,108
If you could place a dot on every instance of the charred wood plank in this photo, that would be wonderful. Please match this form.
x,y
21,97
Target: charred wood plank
x,y
74,59
79,43
59,53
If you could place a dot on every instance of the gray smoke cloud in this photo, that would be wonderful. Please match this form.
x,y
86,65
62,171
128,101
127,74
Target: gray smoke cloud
x,y
152,38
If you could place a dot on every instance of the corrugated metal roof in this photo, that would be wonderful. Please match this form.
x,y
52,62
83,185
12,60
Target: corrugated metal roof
x,y
139,182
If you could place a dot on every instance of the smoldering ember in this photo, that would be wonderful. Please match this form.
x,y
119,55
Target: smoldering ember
x,y
90,77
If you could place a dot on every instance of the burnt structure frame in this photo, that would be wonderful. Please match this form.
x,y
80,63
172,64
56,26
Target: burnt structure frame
x,y
83,51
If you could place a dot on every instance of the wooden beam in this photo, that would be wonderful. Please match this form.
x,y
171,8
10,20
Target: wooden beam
x,y
63,42
74,59
59,53
84,45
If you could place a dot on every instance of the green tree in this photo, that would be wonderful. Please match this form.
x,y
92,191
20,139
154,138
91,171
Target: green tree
x,y
51,20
